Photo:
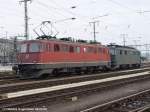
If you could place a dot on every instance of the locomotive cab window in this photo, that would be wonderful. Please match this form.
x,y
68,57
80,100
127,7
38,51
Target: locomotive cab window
x,y
112,51
22,48
34,47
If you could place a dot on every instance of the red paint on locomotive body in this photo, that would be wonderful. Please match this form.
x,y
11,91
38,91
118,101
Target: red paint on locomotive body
x,y
57,51
37,58
40,58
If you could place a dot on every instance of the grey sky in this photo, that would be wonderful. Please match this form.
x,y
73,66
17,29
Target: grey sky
x,y
123,18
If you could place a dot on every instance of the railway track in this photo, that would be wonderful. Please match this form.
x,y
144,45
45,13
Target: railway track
x,y
71,92
18,85
145,64
138,102
65,93
7,75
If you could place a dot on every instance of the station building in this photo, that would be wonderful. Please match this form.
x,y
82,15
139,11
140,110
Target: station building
x,y
7,55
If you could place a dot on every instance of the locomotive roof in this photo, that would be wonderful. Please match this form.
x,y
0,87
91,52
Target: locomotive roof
x,y
119,46
61,41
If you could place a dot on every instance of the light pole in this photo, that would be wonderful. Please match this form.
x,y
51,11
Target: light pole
x,y
6,50
135,42
124,36
93,23
26,18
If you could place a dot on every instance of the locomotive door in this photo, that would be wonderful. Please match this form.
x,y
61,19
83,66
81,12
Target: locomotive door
x,y
113,56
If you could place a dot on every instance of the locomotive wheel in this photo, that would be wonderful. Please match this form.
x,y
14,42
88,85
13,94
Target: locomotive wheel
x,y
44,76
55,72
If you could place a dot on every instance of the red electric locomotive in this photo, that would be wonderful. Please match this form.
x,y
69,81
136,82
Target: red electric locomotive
x,y
40,58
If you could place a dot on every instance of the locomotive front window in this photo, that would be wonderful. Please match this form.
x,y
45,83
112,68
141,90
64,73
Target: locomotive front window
x,y
112,51
23,48
34,47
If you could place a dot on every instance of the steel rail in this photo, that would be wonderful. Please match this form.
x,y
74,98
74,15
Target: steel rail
x,y
6,77
66,93
141,109
109,104
25,85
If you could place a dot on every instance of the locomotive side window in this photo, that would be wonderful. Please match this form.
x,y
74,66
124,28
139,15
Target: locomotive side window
x,y
64,48
45,47
84,50
23,48
138,53
134,53
78,49
34,47
120,52
41,47
125,52
56,48
71,49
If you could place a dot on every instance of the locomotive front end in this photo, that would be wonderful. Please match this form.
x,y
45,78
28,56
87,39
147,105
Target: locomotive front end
x,y
28,58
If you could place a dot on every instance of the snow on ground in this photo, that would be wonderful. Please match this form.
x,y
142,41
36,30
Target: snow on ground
x,y
5,68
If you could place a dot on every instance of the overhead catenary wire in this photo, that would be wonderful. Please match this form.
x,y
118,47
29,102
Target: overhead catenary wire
x,y
56,9
53,8
127,7
47,12
65,10
50,7
122,5
111,0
